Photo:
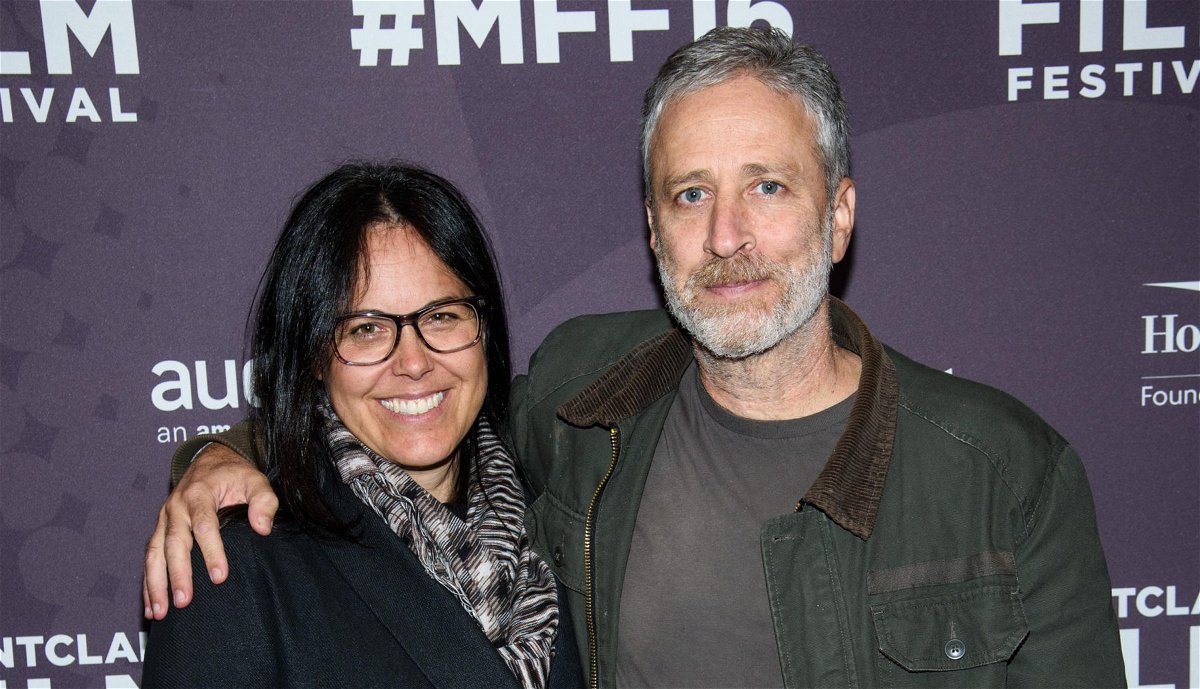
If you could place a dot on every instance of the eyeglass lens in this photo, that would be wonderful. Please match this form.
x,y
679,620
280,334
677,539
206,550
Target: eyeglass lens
x,y
370,339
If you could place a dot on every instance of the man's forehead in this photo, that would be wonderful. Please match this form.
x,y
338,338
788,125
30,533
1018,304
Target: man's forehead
x,y
739,89
747,127
732,100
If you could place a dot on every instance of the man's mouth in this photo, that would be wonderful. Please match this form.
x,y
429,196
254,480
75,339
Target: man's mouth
x,y
734,288
413,407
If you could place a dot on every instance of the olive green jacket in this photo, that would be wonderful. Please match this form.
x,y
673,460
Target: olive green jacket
x,y
950,541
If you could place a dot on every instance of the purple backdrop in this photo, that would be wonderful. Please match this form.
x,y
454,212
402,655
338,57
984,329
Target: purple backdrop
x,y
1029,201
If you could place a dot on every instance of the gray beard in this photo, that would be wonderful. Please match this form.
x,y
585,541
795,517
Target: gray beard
x,y
731,333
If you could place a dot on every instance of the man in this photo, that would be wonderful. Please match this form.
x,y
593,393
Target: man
x,y
754,491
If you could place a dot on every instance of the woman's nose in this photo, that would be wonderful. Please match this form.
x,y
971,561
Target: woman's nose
x,y
411,357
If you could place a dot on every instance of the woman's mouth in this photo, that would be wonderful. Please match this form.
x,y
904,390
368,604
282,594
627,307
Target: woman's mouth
x,y
413,407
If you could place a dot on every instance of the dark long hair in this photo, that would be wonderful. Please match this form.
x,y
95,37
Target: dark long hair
x,y
310,280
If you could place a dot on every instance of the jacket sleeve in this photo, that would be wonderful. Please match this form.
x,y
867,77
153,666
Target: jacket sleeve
x,y
243,438
222,639
1073,637
519,433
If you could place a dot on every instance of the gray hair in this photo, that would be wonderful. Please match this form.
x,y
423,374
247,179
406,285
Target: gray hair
x,y
774,59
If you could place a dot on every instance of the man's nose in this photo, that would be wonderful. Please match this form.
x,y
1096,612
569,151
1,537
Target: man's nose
x,y
729,231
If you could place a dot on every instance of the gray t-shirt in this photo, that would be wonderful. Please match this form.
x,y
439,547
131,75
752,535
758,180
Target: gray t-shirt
x,y
694,610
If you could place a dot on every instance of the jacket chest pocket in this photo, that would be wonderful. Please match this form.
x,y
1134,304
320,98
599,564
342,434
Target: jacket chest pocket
x,y
955,638
557,535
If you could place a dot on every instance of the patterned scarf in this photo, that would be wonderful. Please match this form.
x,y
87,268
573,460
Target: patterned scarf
x,y
486,561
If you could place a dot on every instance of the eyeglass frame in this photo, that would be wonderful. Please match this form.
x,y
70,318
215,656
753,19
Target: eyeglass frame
x,y
477,303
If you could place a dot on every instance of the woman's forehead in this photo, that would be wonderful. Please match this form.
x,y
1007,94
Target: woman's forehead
x,y
400,270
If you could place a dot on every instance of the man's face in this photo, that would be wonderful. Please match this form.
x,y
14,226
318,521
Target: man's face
x,y
739,218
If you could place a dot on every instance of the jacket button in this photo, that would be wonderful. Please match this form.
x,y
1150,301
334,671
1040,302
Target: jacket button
x,y
955,649
558,555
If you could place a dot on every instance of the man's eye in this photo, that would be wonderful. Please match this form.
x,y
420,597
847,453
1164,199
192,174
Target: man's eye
x,y
769,187
691,195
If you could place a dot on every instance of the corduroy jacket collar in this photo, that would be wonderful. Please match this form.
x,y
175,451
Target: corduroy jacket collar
x,y
848,489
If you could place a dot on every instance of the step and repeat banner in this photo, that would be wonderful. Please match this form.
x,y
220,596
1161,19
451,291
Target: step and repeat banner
x,y
1029,214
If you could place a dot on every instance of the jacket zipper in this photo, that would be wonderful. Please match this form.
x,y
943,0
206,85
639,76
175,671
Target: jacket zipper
x,y
589,583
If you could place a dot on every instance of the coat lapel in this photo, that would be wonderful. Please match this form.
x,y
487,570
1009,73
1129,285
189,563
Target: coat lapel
x,y
425,618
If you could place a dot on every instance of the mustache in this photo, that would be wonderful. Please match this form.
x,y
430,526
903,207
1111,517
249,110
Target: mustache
x,y
739,268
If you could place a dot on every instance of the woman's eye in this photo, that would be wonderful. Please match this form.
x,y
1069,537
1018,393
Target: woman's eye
x,y
366,331
449,317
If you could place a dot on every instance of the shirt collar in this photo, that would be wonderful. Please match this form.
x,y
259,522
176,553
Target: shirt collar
x,y
850,486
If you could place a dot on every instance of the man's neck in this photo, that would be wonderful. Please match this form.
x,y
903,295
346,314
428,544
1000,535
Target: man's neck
x,y
802,375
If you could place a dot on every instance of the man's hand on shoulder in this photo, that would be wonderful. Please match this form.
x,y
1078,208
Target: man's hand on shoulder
x,y
217,478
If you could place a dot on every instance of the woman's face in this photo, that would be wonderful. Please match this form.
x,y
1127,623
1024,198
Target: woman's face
x,y
415,407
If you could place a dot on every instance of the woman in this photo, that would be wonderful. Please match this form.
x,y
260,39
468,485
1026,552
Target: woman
x,y
381,369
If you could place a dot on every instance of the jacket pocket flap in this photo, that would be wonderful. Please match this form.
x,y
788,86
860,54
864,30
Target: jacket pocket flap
x,y
557,536
952,631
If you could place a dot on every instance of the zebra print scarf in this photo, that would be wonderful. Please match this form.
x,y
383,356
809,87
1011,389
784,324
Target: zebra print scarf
x,y
486,561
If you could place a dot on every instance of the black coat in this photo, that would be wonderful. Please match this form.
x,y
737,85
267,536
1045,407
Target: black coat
x,y
300,611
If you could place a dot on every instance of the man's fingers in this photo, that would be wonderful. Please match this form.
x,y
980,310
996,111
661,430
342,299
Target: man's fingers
x,y
154,574
178,551
193,505
218,477
146,610
207,531
262,508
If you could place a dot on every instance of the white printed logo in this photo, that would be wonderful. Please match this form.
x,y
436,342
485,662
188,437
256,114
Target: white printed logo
x,y
62,20
186,388
1192,286
32,654
1172,334
1148,602
549,24
1021,22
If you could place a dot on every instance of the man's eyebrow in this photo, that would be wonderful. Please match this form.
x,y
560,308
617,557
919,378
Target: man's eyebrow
x,y
687,178
760,169
784,170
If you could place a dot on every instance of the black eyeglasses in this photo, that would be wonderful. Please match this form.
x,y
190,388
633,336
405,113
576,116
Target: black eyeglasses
x,y
369,337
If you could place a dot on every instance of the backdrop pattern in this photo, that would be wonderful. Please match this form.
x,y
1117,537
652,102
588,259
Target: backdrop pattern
x,y
1029,200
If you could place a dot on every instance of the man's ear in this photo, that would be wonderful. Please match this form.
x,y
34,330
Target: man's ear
x,y
843,218
650,224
